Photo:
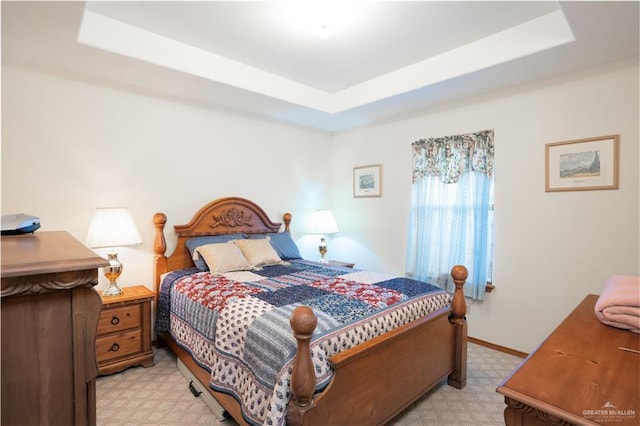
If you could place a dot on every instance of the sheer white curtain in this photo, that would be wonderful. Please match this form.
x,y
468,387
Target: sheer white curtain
x,y
451,203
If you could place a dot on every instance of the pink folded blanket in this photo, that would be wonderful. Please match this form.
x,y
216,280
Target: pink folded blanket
x,y
619,303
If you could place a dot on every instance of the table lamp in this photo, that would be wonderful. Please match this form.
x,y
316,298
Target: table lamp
x,y
112,227
323,224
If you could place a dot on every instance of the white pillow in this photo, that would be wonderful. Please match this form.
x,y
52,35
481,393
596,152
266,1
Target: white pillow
x,y
258,252
223,257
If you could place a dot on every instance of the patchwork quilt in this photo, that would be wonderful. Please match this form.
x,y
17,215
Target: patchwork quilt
x,y
236,324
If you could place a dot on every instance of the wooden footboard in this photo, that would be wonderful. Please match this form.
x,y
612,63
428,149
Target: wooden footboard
x,y
372,382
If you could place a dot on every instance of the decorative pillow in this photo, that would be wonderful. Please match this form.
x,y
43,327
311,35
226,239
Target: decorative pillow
x,y
258,252
282,243
223,257
195,242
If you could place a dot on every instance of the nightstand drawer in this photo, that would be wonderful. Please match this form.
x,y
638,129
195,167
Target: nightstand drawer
x,y
118,345
118,319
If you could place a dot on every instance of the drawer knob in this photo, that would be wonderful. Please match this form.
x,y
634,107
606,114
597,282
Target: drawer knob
x,y
114,347
115,320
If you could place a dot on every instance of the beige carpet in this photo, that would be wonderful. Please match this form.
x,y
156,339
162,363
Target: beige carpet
x,y
159,396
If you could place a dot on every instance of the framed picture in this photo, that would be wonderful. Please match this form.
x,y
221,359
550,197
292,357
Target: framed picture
x,y
367,181
582,164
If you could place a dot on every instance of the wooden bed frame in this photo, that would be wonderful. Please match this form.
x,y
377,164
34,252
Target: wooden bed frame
x,y
374,381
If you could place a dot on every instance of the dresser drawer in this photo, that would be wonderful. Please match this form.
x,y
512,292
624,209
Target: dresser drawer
x,y
118,345
118,319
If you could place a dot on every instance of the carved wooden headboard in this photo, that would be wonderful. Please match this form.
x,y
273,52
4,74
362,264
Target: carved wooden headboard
x,y
228,215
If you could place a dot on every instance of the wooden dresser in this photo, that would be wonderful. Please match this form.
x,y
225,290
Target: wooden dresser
x,y
49,319
579,375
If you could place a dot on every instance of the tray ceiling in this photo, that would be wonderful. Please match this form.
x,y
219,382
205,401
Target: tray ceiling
x,y
388,59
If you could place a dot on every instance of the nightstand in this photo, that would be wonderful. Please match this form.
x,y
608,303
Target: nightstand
x,y
339,263
124,330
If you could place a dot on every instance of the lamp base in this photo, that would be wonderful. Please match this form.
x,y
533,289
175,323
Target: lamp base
x,y
112,272
322,248
112,290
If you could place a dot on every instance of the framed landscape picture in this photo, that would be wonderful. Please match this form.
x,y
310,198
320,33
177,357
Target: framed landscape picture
x,y
367,181
582,164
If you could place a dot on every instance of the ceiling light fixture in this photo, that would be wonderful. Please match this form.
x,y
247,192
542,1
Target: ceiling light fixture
x,y
322,18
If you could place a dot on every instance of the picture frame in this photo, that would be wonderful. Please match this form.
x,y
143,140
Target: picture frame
x,y
582,164
367,181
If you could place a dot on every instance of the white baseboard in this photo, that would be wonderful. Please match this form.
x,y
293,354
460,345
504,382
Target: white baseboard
x,y
208,399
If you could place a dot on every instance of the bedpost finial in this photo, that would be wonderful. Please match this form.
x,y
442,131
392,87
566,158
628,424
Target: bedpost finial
x,y
303,380
160,219
459,273
159,245
303,321
287,221
458,305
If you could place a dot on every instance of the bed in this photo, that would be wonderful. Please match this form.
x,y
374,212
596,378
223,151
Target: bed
x,y
293,341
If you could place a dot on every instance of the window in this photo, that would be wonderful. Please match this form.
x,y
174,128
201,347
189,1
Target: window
x,y
451,219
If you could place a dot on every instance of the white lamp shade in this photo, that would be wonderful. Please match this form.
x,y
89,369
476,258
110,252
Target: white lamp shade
x,y
112,227
324,223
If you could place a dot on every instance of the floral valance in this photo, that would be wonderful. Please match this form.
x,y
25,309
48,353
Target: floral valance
x,y
450,157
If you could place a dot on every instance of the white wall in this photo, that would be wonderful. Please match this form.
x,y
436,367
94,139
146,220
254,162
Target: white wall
x,y
70,147
551,248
